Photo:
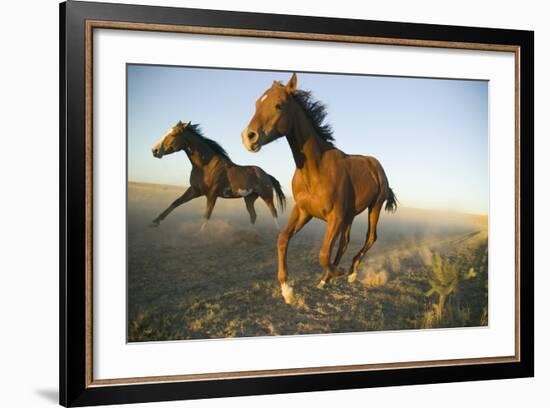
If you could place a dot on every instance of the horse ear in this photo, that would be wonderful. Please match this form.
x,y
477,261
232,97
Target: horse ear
x,y
185,125
292,83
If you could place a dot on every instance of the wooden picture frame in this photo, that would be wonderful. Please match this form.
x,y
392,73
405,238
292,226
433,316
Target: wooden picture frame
x,y
78,20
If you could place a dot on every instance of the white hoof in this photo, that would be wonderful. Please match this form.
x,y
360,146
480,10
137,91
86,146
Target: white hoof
x,y
321,284
352,277
287,292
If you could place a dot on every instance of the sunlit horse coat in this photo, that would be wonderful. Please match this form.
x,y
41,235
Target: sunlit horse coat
x,y
328,184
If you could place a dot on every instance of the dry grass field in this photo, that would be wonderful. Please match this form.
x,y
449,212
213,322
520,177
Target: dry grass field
x,y
184,284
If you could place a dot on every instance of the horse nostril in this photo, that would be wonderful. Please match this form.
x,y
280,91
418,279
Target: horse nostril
x,y
251,135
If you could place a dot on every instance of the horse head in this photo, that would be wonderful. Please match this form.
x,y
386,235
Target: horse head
x,y
272,117
172,141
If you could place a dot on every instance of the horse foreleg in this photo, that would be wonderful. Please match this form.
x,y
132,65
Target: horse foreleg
x,y
249,201
295,223
210,203
185,197
374,215
334,227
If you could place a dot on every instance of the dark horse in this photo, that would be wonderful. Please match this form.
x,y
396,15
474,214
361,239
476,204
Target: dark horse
x,y
328,184
215,175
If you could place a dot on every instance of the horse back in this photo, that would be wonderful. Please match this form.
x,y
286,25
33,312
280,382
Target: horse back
x,y
249,178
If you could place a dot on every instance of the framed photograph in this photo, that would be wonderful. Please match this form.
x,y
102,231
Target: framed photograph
x,y
256,203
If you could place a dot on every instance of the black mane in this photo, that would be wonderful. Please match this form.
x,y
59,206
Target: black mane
x,y
317,112
215,146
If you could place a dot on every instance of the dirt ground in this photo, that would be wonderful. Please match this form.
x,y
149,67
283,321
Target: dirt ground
x,y
186,284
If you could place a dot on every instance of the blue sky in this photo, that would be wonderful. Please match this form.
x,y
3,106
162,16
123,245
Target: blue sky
x,y
431,135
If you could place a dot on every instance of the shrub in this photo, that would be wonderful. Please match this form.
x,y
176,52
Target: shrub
x,y
445,278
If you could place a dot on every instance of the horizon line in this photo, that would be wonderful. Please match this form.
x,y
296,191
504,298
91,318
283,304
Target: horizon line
x,y
442,209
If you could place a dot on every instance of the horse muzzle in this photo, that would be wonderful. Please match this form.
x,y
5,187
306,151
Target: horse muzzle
x,y
251,140
255,148
157,152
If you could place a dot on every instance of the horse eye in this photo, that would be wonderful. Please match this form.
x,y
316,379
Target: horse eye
x,y
278,106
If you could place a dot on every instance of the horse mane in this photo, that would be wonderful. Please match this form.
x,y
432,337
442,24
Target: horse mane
x,y
212,144
317,112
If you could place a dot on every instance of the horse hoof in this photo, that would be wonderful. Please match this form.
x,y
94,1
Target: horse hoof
x,y
154,224
321,284
352,277
287,293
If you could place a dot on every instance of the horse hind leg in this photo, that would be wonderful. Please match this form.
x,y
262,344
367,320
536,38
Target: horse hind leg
x,y
249,201
269,202
374,215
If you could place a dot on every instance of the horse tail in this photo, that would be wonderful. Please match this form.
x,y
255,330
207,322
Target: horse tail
x,y
281,199
391,202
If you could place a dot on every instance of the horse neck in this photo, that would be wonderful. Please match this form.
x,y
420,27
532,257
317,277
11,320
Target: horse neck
x,y
306,145
202,154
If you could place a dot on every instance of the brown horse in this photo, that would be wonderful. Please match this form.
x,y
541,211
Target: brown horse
x,y
215,175
328,184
